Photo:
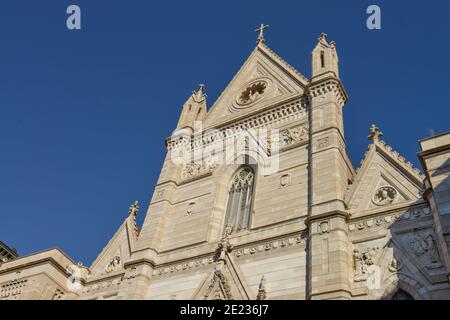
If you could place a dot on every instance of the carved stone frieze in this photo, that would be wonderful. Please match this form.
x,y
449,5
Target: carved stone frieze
x,y
387,220
294,135
423,245
274,117
363,260
114,264
195,170
239,252
12,289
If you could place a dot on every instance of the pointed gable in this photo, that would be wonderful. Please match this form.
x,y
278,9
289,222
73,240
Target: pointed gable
x,y
263,80
119,248
226,281
385,179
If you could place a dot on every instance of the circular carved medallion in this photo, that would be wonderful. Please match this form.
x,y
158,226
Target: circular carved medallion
x,y
252,92
384,196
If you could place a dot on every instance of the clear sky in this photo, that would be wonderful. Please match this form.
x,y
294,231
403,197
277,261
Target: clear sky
x,y
84,114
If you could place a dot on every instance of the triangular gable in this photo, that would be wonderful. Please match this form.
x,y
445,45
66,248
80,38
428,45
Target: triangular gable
x,y
118,249
384,180
280,81
225,282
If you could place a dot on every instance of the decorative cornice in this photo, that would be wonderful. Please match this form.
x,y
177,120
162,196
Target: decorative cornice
x,y
239,251
408,166
283,62
289,111
387,219
329,85
335,213
270,245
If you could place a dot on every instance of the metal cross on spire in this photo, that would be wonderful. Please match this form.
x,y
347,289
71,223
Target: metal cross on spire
x,y
260,29
375,133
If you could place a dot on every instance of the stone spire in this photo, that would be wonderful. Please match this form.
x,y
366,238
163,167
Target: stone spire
x,y
375,133
132,214
262,289
194,109
324,58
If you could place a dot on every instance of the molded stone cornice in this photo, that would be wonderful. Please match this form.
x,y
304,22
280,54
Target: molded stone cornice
x,y
327,85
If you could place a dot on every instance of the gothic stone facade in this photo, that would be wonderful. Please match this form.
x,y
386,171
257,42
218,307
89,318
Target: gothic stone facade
x,y
314,228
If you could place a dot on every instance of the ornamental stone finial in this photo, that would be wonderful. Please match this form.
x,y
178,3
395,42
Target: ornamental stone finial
x,y
262,289
323,37
199,94
134,208
375,133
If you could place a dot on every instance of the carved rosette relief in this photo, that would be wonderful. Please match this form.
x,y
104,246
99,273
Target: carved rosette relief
x,y
384,196
195,170
252,92
424,247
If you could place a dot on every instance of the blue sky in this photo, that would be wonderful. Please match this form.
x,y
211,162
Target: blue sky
x,y
84,114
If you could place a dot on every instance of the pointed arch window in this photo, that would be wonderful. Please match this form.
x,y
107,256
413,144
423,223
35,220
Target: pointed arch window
x,y
240,200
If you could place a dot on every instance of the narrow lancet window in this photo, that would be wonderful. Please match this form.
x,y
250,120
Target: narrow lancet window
x,y
240,200
322,59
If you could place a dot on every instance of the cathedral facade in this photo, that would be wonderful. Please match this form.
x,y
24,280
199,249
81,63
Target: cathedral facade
x,y
257,199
